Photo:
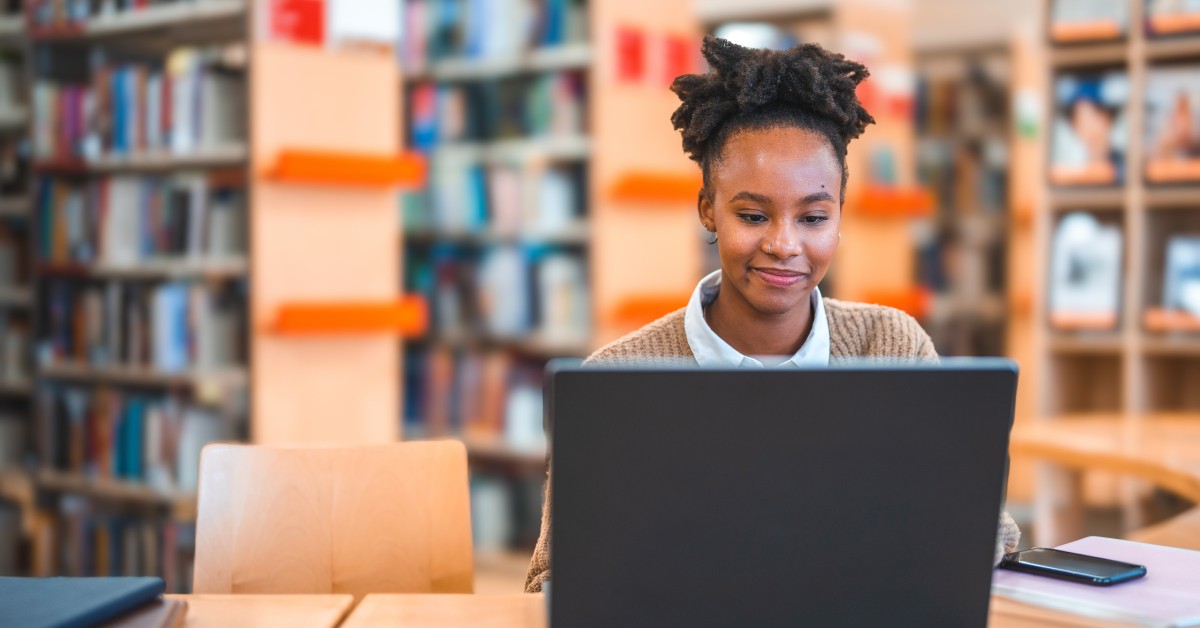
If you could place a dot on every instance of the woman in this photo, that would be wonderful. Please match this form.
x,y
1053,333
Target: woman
x,y
769,130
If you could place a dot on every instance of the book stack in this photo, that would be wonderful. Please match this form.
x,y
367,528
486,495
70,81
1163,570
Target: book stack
x,y
190,100
170,327
124,220
91,542
108,434
486,29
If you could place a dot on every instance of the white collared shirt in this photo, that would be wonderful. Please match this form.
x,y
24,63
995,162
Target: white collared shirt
x,y
712,351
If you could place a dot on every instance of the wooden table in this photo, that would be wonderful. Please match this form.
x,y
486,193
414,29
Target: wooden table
x,y
258,611
528,611
1163,449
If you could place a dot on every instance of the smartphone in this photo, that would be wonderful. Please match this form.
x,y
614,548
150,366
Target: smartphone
x,y
1054,563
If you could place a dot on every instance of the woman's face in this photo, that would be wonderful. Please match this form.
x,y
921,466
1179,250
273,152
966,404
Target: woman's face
x,y
776,209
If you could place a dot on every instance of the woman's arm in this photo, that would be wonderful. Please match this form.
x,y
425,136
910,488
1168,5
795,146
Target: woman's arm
x,y
539,564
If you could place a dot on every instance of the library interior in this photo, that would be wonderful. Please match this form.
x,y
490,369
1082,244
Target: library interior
x,y
348,228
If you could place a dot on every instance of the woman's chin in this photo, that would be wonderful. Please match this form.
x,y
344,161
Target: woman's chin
x,y
778,305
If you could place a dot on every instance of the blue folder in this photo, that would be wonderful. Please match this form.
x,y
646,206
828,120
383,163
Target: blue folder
x,y
70,602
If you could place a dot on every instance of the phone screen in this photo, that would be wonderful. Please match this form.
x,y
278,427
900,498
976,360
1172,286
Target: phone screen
x,y
1071,563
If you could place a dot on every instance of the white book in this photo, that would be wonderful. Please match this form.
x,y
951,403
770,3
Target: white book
x,y
224,234
153,118
199,428
182,70
204,327
122,227
1085,269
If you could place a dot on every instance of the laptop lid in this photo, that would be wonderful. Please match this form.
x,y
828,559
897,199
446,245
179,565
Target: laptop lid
x,y
855,495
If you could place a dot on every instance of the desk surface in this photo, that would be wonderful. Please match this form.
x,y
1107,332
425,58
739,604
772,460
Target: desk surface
x,y
528,611
1161,448
255,611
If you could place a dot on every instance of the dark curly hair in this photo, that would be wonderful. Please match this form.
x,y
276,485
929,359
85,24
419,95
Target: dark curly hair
x,y
805,87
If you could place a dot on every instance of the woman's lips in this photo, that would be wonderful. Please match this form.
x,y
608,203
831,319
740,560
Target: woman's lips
x,y
779,277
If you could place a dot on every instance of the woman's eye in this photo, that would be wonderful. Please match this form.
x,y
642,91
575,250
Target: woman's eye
x,y
814,220
753,219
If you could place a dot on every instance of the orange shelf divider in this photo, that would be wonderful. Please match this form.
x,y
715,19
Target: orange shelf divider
x,y
893,202
407,317
1089,30
914,301
348,169
1173,23
1173,170
656,187
637,311
1078,321
1164,320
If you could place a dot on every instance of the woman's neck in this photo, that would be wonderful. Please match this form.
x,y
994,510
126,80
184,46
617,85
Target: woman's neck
x,y
753,333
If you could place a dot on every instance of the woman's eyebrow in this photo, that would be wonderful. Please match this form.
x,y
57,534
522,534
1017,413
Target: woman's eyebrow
x,y
753,197
817,197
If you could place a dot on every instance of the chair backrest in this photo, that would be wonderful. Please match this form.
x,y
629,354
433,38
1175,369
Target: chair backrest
x,y
374,519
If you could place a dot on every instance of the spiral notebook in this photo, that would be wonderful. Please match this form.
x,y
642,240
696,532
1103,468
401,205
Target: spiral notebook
x,y
1168,596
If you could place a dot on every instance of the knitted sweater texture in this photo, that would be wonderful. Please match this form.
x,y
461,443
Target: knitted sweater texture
x,y
856,330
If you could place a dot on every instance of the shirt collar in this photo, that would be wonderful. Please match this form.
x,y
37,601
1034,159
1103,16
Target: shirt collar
x,y
712,351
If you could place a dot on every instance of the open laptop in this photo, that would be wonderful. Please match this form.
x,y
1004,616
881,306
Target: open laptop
x,y
847,496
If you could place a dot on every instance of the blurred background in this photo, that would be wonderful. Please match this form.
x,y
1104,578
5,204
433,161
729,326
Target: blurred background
x,y
355,221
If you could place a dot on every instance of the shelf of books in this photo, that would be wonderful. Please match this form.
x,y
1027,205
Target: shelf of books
x,y
1121,230
16,398
124,241
963,123
517,243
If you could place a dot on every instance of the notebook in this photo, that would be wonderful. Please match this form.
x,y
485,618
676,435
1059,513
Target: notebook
x,y
70,602
1169,594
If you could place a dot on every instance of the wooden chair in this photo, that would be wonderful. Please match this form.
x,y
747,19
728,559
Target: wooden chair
x,y
375,519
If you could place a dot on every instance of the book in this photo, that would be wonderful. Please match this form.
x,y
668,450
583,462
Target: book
x,y
1088,134
1169,595
1181,276
1172,117
1085,273
49,602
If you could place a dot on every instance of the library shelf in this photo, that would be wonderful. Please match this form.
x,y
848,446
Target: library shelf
x,y
1069,199
142,376
1182,196
532,345
11,389
1088,55
54,480
13,118
1173,48
1162,320
522,150
148,20
497,450
233,154
575,56
1085,343
573,235
149,270
15,297
1172,345
14,206
16,485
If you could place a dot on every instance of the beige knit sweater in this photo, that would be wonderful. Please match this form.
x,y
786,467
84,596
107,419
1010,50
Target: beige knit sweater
x,y
855,330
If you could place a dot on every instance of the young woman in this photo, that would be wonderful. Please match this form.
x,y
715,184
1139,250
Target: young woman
x,y
769,130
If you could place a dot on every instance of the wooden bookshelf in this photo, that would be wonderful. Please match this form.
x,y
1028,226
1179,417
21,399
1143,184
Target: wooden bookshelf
x,y
211,403
1143,365
576,56
233,155
141,376
168,19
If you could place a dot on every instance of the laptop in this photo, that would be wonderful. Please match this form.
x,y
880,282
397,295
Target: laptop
x,y
858,495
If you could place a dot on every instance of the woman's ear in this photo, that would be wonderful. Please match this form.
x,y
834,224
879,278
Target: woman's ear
x,y
705,209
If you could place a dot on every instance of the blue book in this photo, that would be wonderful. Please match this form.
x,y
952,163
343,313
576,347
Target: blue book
x,y
71,602
117,95
131,439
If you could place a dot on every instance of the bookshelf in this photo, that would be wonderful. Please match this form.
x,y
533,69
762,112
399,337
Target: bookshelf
x,y
16,492
1145,361
111,304
565,140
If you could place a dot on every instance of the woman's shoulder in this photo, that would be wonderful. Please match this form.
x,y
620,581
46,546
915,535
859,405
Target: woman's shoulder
x,y
661,340
869,330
